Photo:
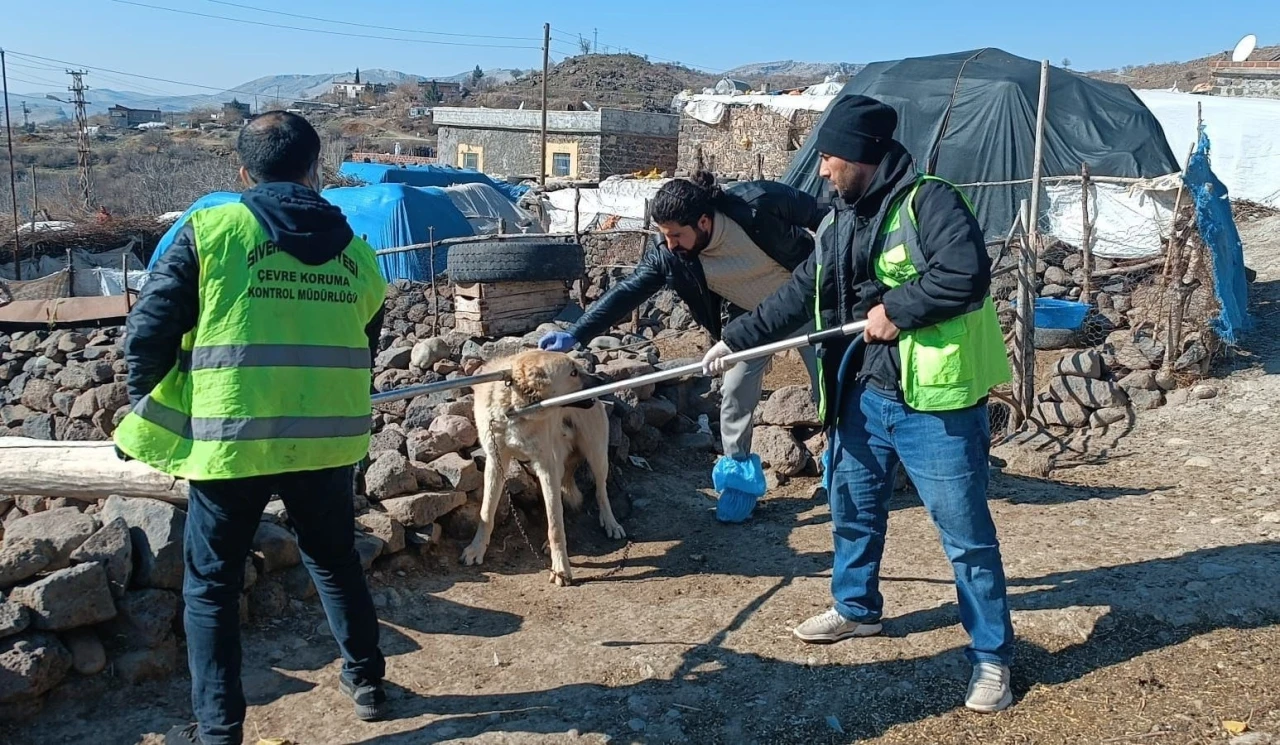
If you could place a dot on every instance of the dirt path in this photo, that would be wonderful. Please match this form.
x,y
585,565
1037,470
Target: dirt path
x,y
1146,589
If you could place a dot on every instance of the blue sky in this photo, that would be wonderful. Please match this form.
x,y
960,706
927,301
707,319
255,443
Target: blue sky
x,y
1093,34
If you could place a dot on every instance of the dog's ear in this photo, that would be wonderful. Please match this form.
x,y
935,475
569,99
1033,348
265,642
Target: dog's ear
x,y
530,379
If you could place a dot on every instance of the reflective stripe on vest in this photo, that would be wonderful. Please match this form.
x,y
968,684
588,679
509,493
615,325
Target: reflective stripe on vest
x,y
275,377
953,364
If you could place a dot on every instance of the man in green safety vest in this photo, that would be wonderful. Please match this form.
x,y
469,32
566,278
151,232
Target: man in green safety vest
x,y
903,251
250,352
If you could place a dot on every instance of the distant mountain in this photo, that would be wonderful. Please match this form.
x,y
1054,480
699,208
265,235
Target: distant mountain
x,y
814,71
496,76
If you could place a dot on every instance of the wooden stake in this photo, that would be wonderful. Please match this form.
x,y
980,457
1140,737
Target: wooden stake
x,y
1176,267
1029,260
1024,378
435,291
1086,239
577,226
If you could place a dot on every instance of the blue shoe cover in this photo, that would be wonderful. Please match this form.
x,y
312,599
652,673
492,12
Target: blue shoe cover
x,y
740,483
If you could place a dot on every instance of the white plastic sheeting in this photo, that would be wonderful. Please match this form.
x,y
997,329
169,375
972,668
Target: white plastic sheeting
x,y
1243,134
1127,222
487,209
93,274
621,197
711,108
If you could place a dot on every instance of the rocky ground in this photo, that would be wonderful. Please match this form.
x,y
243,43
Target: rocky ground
x,y
1145,589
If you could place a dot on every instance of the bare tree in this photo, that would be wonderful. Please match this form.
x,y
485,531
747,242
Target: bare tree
x,y
584,45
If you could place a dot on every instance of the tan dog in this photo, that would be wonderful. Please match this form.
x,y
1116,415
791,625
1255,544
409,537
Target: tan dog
x,y
553,441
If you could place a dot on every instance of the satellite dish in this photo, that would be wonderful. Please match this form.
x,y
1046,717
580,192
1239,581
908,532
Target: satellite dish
x,y
1244,48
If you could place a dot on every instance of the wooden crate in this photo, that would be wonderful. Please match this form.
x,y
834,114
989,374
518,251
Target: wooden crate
x,y
507,308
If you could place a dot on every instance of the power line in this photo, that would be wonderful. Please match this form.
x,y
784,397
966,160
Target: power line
x,y
368,25
98,70
320,31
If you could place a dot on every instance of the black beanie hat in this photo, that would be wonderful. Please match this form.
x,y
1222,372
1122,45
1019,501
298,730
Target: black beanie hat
x,y
857,129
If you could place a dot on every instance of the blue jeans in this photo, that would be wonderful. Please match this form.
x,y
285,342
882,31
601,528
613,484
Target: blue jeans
x,y
222,517
945,454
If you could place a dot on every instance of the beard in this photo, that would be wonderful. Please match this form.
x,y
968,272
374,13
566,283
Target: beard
x,y
701,239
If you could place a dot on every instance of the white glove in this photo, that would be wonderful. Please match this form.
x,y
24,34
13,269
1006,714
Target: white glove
x,y
713,361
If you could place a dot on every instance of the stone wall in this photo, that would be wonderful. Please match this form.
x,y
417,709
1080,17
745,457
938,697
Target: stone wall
x,y
516,153
730,147
625,154
1259,79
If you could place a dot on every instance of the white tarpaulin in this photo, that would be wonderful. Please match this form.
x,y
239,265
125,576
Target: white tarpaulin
x,y
1127,222
624,198
711,108
1244,138
92,274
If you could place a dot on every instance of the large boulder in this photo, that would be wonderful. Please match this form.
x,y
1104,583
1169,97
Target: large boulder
x,y
1087,392
390,476
396,358
112,547
68,598
658,411
65,529
23,558
447,433
37,395
459,473
14,619
1063,414
780,451
385,527
146,619
1086,364
420,510
156,530
791,406
276,546
428,352
31,665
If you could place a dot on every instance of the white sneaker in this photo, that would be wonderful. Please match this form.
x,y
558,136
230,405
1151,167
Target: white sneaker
x,y
829,626
989,688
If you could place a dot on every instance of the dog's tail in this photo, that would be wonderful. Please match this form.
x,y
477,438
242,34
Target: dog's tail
x,y
570,494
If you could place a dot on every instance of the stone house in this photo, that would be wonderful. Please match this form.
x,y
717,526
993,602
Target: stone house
x,y
1254,78
582,145
741,137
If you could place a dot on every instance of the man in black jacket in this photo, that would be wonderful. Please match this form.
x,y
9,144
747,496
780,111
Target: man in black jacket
x,y
904,252
734,247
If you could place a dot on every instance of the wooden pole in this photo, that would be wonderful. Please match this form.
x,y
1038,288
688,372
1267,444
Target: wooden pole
x,y
435,292
577,226
84,471
1175,288
1030,258
1086,236
13,179
35,196
546,69
1024,327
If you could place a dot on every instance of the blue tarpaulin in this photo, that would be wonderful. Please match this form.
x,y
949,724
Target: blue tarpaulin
x,y
380,173
1218,231
385,215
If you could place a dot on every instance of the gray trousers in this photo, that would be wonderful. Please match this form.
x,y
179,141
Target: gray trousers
x,y
740,394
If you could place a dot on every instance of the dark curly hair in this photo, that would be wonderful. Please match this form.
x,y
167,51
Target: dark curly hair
x,y
684,200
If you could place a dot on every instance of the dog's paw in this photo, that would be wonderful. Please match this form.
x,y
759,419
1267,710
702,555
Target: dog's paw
x,y
561,579
473,555
613,529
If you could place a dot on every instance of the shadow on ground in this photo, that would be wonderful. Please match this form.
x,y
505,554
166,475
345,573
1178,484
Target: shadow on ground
x,y
719,695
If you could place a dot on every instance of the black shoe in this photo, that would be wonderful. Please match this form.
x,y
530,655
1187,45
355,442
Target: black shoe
x,y
183,735
370,698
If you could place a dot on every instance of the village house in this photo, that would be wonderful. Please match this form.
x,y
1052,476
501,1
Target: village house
x,y
1254,78
123,117
586,145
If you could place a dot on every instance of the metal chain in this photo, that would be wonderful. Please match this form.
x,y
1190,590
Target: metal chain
x,y
622,561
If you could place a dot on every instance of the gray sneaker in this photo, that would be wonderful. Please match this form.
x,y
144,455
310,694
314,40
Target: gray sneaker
x,y
829,626
989,688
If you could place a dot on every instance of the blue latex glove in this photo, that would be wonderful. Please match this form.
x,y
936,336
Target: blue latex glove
x,y
557,341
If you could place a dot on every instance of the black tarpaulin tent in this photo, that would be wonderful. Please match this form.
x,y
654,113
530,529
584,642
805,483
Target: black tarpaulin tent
x,y
972,115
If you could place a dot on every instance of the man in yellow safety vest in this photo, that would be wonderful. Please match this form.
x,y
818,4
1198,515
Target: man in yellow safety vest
x,y
250,353
903,251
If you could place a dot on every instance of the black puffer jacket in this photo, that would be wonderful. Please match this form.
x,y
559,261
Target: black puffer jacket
x,y
295,218
955,282
777,217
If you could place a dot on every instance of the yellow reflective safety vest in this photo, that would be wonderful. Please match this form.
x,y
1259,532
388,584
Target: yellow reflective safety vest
x,y
950,365
275,377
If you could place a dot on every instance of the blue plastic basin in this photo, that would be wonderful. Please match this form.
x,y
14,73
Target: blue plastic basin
x,y
1052,313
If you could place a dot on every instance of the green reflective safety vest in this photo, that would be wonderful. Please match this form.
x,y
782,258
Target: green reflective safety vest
x,y
950,365
275,377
